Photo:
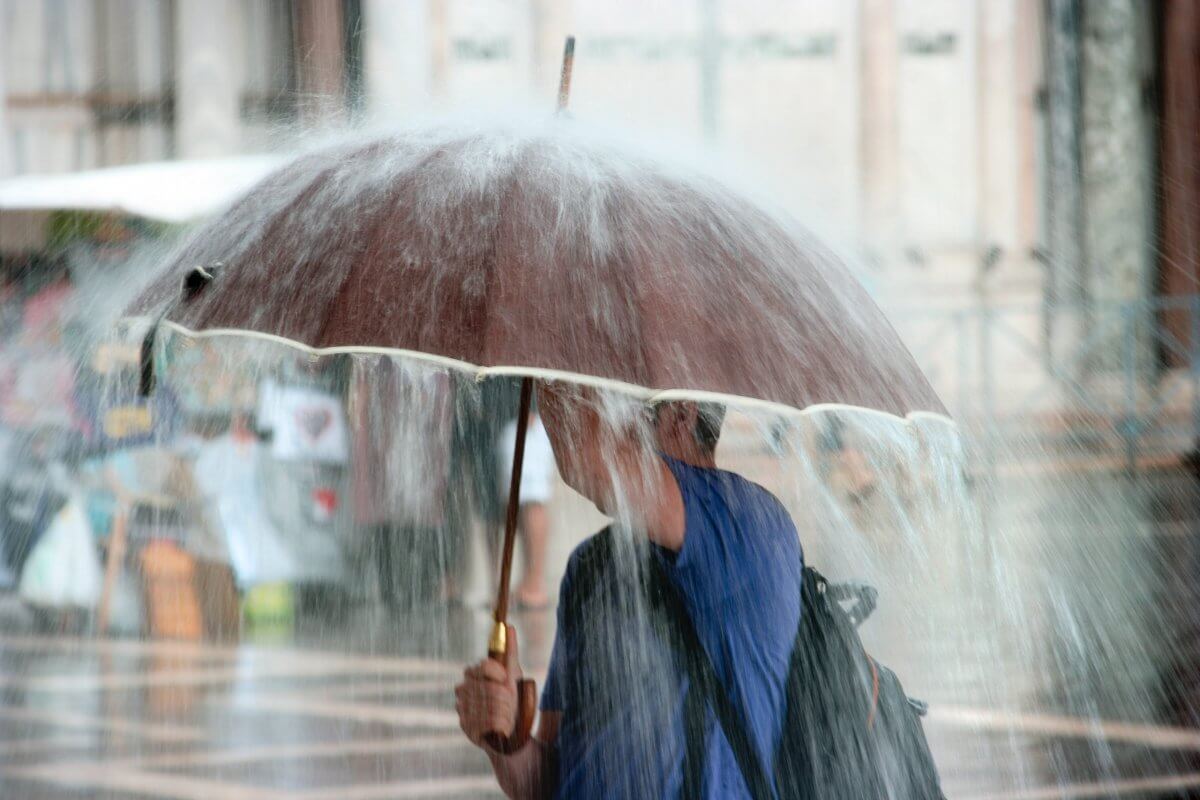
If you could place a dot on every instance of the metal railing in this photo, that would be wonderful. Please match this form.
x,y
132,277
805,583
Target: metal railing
x,y
1100,379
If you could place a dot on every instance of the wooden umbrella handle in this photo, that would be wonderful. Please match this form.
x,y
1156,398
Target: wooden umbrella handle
x,y
507,742
512,741
498,639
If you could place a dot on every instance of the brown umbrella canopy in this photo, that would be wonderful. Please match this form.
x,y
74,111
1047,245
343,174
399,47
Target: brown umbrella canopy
x,y
545,249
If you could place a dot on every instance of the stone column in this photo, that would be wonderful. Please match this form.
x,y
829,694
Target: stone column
x,y
134,53
879,138
5,158
710,69
320,60
938,128
1116,150
1179,182
1063,183
997,108
396,57
207,111
549,22
1027,36
437,31
1117,155
1099,211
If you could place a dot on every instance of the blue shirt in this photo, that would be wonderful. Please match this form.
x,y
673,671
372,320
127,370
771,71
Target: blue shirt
x,y
612,677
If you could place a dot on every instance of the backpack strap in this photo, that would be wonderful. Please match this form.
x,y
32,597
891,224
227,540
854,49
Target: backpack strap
x,y
703,679
593,570
695,743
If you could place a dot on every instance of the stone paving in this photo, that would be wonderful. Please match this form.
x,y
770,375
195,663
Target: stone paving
x,y
83,718
352,710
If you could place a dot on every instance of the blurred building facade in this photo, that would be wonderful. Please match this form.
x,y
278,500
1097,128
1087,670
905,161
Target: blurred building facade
x,y
909,120
975,153
93,83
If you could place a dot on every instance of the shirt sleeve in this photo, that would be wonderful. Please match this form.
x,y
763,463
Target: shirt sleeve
x,y
553,692
737,539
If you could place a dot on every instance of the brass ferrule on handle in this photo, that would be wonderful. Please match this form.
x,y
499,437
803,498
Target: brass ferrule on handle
x,y
498,642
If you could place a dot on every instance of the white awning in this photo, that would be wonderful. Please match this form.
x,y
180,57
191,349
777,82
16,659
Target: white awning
x,y
166,191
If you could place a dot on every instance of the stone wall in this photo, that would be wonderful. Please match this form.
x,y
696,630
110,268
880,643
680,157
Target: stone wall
x,y
1099,213
902,128
92,83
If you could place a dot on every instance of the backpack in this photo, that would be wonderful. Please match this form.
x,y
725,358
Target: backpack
x,y
849,732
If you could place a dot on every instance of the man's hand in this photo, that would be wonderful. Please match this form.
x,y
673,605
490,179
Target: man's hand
x,y
487,697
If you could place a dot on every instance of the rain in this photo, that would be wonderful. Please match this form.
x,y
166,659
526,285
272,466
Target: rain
x,y
831,366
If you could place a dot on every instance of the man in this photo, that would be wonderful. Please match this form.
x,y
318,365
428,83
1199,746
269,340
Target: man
x,y
615,701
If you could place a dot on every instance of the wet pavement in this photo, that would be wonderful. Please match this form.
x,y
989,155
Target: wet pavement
x,y
1100,700
85,718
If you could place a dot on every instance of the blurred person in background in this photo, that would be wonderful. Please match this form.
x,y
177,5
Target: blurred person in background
x,y
537,486
400,425
29,498
475,496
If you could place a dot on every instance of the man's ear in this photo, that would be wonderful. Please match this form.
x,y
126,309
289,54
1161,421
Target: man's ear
x,y
688,417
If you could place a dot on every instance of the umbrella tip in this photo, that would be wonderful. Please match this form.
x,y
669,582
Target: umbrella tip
x,y
564,80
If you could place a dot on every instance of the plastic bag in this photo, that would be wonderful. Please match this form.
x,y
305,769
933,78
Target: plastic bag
x,y
64,569
226,475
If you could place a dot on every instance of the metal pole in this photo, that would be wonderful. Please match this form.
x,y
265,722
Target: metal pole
x,y
1194,364
991,435
710,69
1129,418
988,406
964,363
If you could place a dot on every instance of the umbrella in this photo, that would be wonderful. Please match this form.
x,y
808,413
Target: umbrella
x,y
544,251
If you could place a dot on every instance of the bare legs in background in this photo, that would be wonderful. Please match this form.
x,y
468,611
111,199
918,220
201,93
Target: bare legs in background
x,y
535,533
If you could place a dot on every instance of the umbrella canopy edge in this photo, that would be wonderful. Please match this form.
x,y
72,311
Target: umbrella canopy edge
x,y
479,372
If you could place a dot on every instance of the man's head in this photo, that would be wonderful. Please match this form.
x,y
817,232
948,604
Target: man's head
x,y
589,440
688,430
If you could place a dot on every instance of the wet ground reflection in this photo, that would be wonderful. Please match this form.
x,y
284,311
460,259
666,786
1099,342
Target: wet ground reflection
x,y
1102,699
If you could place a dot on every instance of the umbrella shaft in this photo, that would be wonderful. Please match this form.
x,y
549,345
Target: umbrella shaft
x,y
564,78
514,502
